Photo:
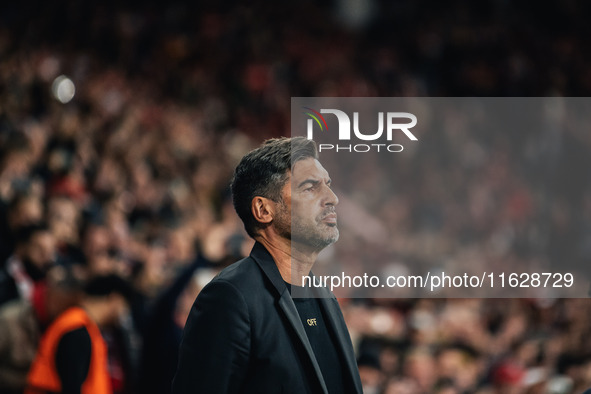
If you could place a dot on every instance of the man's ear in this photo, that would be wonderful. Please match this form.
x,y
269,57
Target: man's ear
x,y
262,210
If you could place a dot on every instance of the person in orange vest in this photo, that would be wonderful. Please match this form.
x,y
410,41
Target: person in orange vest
x,y
72,354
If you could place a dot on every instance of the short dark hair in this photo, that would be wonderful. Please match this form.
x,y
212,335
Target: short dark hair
x,y
264,171
26,233
104,285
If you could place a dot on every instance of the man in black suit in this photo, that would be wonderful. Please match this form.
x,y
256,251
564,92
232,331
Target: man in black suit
x,y
245,332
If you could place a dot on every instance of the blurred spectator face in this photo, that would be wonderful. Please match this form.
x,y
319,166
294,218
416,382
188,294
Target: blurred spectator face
x,y
371,379
96,239
156,272
104,262
39,253
402,386
26,210
450,363
180,247
110,177
64,289
63,220
389,360
16,164
420,365
448,390
98,250
527,352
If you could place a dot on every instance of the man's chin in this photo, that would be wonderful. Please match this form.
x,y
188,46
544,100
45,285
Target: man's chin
x,y
335,237
331,238
317,243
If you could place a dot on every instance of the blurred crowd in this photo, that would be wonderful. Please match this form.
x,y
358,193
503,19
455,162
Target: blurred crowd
x,y
131,176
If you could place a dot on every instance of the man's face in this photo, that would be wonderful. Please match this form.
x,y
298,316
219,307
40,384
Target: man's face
x,y
307,214
41,249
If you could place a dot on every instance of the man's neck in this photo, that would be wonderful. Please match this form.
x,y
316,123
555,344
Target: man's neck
x,y
95,311
292,262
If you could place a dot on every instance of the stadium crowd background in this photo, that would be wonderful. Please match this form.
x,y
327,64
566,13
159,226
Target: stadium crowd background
x,y
132,175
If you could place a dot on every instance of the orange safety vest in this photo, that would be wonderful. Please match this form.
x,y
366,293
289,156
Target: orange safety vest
x,y
43,376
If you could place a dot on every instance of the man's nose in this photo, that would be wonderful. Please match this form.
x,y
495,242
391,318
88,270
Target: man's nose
x,y
331,197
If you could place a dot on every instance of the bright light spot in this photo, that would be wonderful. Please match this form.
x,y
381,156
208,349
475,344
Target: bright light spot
x,y
63,89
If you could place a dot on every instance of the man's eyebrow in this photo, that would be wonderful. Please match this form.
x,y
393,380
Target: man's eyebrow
x,y
313,182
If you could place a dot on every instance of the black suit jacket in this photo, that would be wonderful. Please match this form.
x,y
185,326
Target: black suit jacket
x,y
244,335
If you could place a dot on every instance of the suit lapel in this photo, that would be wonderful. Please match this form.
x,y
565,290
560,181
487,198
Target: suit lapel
x,y
267,264
289,308
335,318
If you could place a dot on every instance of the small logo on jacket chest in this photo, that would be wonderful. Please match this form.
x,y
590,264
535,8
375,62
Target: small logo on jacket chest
x,y
312,322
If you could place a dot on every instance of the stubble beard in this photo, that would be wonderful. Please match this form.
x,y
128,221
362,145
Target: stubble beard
x,y
316,234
